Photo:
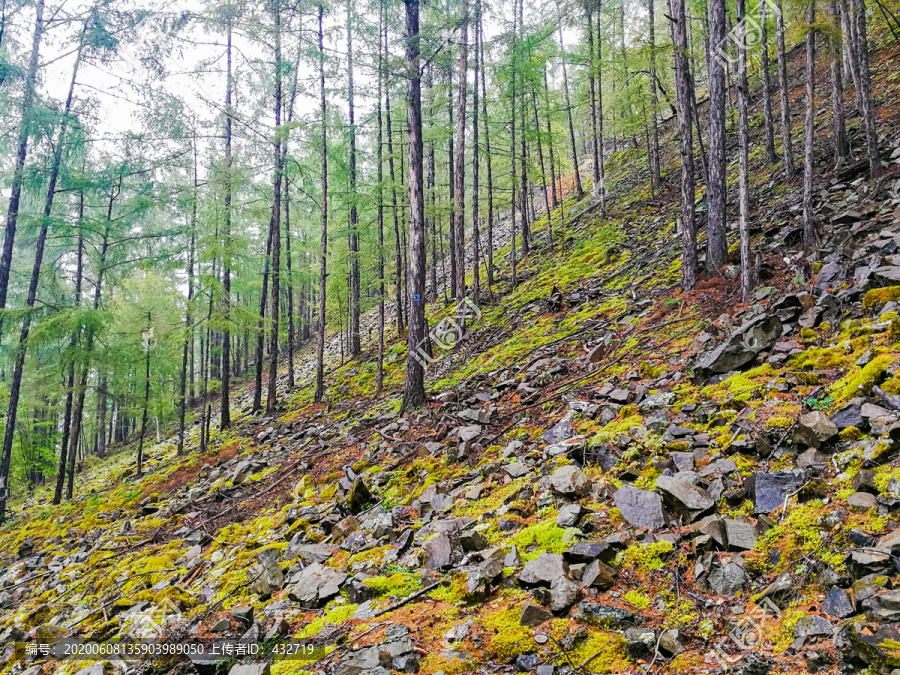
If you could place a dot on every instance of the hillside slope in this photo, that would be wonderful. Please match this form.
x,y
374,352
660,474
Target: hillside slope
x,y
610,475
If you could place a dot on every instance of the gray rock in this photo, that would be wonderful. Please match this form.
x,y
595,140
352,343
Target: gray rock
x,y
615,617
534,615
670,642
640,508
569,515
99,669
316,585
849,416
243,615
570,480
458,633
740,535
516,469
563,594
588,551
241,471
769,490
544,570
250,669
727,579
472,541
812,625
742,346
861,501
838,604
440,553
598,575
814,429
358,496
688,501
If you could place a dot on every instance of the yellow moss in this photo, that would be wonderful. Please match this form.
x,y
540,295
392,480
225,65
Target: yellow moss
x,y
892,386
334,616
779,422
606,651
506,639
545,536
850,434
399,584
860,381
644,557
878,297
637,599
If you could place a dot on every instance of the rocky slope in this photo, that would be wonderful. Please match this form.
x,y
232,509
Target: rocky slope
x,y
610,476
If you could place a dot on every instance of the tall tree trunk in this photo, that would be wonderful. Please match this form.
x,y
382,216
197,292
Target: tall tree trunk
x,y
323,269
837,94
379,385
601,190
189,320
716,238
430,226
398,262
355,346
261,326
451,168
140,452
73,341
459,218
487,152
744,155
31,298
810,236
579,191
512,157
225,406
766,84
414,388
789,171
476,234
867,112
272,397
683,100
592,84
523,167
554,197
654,100
25,128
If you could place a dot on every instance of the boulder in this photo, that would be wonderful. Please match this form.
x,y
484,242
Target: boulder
x,y
569,515
640,508
769,490
358,496
544,570
812,625
534,615
316,585
838,604
728,579
814,429
563,594
688,501
756,335
569,480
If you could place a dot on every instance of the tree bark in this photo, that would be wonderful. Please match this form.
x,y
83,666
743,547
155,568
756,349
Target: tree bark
x,y
744,155
355,346
716,238
225,406
25,128
787,151
323,269
810,236
683,100
272,397
459,218
579,191
414,387
837,94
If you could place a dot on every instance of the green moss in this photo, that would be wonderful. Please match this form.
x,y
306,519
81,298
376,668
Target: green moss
x,y
507,639
878,297
850,434
543,536
860,381
399,584
637,599
644,557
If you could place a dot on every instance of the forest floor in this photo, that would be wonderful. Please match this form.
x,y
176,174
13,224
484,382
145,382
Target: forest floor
x,y
609,476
